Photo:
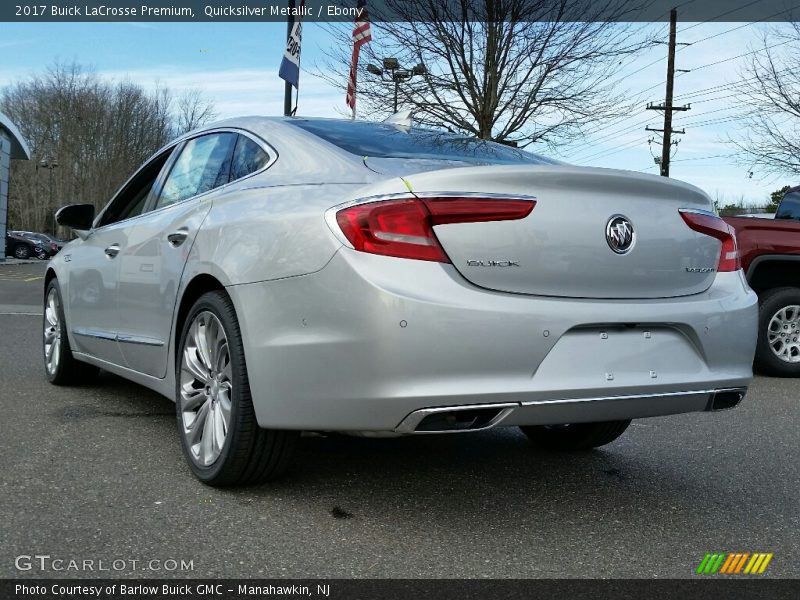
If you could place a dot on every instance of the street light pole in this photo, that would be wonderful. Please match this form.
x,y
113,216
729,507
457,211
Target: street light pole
x,y
48,164
393,72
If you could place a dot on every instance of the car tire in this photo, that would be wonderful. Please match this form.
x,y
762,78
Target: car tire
x,y
42,255
779,313
60,366
213,400
575,436
22,251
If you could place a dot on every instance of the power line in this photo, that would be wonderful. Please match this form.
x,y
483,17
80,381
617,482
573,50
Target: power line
x,y
637,125
593,151
627,75
703,157
719,62
732,29
605,153
685,96
725,14
619,120
596,155
728,119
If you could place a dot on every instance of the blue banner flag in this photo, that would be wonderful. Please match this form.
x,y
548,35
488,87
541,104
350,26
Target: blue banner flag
x,y
290,65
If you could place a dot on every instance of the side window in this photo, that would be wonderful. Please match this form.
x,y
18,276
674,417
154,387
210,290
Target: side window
x,y
131,200
789,207
247,158
204,163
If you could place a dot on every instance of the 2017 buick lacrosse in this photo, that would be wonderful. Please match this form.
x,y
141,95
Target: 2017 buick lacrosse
x,y
275,275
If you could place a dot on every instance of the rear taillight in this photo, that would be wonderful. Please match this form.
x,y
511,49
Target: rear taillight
x,y
710,224
404,227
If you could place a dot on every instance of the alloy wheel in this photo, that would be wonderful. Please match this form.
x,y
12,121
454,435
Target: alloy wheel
x,y
52,332
783,333
205,388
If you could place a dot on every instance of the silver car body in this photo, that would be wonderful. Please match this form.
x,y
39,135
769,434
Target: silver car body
x,y
338,339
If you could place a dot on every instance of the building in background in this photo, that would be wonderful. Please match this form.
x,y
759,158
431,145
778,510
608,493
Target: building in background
x,y
12,146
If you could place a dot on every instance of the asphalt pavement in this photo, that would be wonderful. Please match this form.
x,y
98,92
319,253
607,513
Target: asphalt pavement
x,y
96,473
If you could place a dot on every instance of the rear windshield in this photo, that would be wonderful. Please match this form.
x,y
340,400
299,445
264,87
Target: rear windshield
x,y
383,140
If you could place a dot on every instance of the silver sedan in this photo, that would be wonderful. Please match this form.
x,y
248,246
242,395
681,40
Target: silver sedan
x,y
275,275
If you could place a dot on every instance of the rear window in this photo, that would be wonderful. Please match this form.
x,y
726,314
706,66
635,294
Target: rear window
x,y
383,140
789,207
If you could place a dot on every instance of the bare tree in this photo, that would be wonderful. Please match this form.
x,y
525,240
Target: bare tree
x,y
193,111
518,71
770,104
97,131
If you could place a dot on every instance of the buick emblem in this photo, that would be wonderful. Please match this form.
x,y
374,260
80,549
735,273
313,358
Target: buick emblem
x,y
619,234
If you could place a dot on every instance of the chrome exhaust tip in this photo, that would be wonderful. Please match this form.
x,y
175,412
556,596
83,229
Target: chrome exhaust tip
x,y
453,419
726,399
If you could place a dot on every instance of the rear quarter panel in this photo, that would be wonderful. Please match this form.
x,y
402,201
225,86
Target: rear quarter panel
x,y
261,232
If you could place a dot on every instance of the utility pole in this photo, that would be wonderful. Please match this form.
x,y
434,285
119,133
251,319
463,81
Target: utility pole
x,y
287,90
667,107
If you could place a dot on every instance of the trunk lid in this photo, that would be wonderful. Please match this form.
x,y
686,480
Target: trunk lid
x,y
564,247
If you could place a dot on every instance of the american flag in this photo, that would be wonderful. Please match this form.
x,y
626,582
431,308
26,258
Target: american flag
x,y
361,35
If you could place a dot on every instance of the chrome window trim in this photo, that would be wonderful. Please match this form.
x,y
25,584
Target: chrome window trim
x,y
171,147
271,153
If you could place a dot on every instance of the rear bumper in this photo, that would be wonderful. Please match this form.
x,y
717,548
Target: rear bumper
x,y
369,340
553,412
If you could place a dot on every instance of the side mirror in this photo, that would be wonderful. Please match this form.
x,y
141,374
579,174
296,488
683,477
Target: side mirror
x,y
78,217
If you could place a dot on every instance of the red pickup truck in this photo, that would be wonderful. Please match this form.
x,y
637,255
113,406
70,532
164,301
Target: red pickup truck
x,y
770,253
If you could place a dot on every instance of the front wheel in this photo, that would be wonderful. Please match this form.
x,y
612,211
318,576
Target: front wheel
x,y
575,436
220,436
60,367
778,347
22,251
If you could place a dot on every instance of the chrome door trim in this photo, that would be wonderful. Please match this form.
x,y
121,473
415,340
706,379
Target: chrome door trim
x,y
114,337
139,339
94,333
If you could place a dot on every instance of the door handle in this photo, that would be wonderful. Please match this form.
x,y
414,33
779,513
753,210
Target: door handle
x,y
176,238
112,250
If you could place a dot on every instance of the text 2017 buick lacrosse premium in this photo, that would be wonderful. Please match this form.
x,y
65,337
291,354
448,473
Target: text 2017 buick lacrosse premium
x,y
275,275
